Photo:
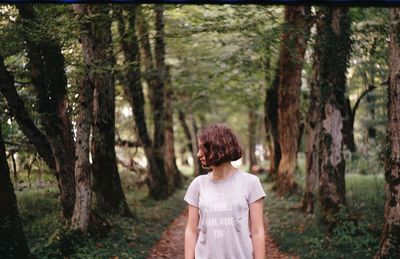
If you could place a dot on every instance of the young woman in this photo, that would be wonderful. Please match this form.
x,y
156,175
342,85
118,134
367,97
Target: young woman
x,y
225,206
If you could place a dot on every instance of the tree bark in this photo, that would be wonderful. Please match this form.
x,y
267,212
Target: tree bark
x,y
271,123
390,241
186,130
12,238
189,130
154,72
157,181
46,67
174,175
83,199
252,141
96,42
334,51
349,115
348,126
293,46
17,109
165,91
198,169
313,129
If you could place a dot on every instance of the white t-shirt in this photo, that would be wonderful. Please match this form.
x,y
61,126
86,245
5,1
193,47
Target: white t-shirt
x,y
223,231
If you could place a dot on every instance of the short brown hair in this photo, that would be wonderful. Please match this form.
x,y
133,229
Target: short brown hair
x,y
219,144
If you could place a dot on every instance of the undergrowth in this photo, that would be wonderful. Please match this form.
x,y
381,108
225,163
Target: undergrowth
x,y
356,235
128,238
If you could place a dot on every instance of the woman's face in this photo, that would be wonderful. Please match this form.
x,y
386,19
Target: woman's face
x,y
200,155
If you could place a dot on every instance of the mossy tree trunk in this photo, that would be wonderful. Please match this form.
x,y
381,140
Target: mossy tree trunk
x,y
12,238
174,175
333,51
292,50
349,118
313,128
390,239
82,209
189,130
109,195
165,91
271,125
46,67
17,109
158,181
251,137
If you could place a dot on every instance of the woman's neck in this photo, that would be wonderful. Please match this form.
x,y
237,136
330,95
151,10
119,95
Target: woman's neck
x,y
223,171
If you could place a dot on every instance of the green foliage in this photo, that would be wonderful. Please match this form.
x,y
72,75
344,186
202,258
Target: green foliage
x,y
356,235
49,237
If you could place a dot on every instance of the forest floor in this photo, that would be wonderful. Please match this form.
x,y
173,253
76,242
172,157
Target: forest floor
x,y
171,244
157,229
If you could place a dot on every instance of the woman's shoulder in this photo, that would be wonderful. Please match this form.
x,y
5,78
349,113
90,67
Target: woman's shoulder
x,y
245,176
199,179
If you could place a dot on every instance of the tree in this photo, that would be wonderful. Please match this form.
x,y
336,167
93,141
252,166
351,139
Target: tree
x,y
158,181
349,118
313,128
191,140
165,92
293,46
390,241
17,109
251,135
109,195
46,67
333,50
12,239
81,216
174,175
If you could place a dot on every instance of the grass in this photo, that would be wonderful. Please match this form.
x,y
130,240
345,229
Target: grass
x,y
357,234
128,238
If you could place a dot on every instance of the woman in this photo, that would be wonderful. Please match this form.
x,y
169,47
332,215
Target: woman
x,y
225,218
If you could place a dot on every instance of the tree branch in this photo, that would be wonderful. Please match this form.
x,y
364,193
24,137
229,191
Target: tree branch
x,y
363,94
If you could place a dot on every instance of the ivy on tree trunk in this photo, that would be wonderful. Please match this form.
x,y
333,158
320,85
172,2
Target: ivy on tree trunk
x,y
333,51
390,239
46,67
293,46
12,238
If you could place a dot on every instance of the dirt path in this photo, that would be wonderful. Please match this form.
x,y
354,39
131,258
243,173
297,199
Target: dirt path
x,y
171,242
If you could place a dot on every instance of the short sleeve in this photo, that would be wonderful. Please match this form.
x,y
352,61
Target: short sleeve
x,y
192,193
256,190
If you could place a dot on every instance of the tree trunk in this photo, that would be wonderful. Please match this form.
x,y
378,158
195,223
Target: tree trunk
x,y
198,169
313,129
157,181
334,51
170,160
189,130
348,126
83,199
349,115
17,109
174,175
390,241
46,67
164,90
252,141
154,75
186,130
292,52
12,239
271,124
96,42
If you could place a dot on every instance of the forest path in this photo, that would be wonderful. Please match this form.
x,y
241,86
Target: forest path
x,y
171,243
